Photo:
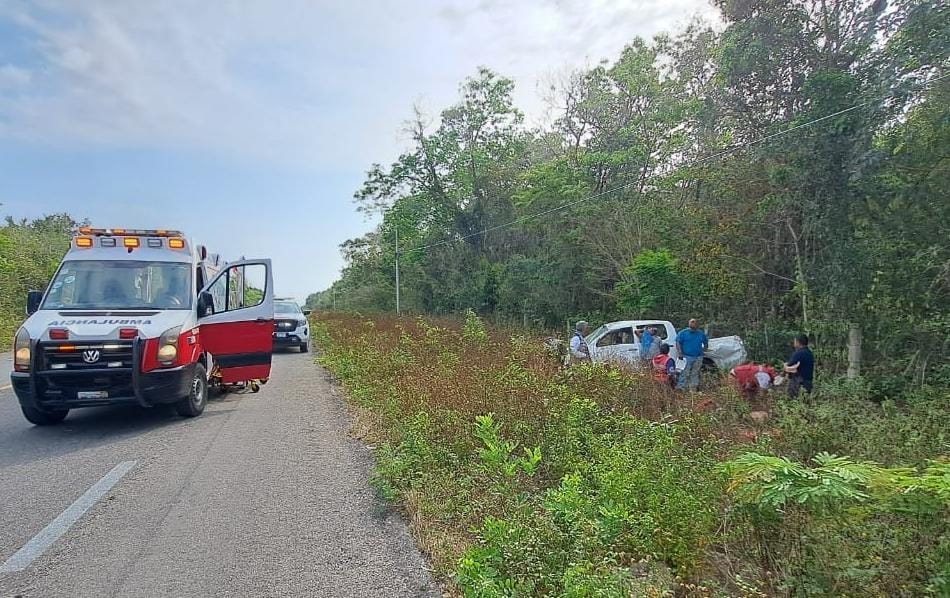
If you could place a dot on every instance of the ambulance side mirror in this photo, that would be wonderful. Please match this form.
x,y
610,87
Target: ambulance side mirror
x,y
33,300
306,312
205,304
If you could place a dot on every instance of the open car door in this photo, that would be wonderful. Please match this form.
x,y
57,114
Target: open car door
x,y
236,320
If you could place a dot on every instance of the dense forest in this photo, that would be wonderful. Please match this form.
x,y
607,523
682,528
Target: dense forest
x,y
787,171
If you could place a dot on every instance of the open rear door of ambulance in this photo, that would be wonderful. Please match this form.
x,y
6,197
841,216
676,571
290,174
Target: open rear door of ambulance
x,y
236,320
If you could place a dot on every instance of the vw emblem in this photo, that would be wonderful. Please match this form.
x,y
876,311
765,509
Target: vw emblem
x,y
91,356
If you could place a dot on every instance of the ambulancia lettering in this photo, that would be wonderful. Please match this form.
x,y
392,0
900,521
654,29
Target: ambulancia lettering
x,y
95,321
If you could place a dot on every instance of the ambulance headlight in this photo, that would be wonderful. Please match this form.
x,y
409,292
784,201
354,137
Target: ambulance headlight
x,y
168,346
167,354
21,351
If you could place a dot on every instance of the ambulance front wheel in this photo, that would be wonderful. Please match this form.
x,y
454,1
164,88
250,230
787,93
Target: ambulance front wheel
x,y
42,417
194,403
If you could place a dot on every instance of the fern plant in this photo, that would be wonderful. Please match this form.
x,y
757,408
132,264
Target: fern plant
x,y
774,481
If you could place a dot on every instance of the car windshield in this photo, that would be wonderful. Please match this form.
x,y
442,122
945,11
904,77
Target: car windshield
x,y
120,285
284,307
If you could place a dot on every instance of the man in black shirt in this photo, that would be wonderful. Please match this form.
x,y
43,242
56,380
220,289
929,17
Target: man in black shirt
x,y
800,367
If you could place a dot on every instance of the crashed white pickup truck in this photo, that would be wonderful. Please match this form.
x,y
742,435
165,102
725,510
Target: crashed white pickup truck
x,y
619,342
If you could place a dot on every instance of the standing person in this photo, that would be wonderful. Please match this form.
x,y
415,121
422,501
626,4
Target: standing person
x,y
800,367
654,349
664,367
691,343
579,351
646,343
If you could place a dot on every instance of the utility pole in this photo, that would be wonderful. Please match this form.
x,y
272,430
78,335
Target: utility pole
x,y
397,270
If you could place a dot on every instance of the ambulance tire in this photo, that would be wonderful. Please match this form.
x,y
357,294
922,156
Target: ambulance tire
x,y
194,403
41,417
305,348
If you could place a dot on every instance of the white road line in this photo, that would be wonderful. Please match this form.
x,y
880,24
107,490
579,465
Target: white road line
x,y
59,526
7,387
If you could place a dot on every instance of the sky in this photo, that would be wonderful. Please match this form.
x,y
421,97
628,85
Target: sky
x,y
250,124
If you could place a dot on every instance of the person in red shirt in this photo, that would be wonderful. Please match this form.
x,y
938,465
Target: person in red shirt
x,y
664,367
752,377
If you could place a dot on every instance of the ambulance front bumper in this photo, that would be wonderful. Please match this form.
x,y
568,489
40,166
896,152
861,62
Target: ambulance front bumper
x,y
46,388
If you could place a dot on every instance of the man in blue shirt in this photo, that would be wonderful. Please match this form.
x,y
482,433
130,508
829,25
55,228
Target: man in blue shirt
x,y
646,344
800,367
691,344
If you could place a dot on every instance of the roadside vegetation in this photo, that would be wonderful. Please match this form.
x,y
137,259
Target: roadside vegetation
x,y
522,478
785,172
30,252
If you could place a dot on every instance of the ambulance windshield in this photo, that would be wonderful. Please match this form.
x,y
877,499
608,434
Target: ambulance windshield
x,y
120,285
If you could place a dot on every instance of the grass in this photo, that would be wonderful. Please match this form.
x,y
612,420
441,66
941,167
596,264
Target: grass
x,y
521,478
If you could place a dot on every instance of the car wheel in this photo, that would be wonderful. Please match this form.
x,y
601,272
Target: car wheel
x,y
305,347
42,417
194,403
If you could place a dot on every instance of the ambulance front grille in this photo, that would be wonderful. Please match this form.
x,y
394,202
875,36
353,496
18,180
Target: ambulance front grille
x,y
86,356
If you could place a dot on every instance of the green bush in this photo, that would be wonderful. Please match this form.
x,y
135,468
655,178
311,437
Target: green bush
x,y
638,494
848,528
888,432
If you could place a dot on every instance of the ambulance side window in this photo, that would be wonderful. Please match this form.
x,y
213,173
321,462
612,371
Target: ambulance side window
x,y
254,280
238,288
219,294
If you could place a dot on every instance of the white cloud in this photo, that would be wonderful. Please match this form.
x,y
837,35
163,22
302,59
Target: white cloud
x,y
13,77
292,83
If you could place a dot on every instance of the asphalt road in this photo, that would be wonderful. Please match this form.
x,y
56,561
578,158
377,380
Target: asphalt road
x,y
263,495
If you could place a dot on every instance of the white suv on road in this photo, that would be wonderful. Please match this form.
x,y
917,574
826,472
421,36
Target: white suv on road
x,y
291,328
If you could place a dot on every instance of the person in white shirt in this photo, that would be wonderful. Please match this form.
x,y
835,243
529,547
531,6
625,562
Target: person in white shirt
x,y
580,352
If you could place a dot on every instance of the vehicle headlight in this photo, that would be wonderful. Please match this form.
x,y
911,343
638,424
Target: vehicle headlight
x,y
168,346
301,323
21,351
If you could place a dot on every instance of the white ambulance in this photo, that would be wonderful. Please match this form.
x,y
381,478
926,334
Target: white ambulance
x,y
142,317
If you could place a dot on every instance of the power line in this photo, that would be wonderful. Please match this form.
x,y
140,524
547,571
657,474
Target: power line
x,y
709,158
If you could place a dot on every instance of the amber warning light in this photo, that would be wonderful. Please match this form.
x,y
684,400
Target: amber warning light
x,y
86,237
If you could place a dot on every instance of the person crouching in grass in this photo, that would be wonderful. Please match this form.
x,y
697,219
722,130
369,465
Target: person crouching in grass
x,y
751,378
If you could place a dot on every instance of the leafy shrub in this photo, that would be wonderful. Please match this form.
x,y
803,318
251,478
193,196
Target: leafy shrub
x,y
474,329
901,517
652,282
888,432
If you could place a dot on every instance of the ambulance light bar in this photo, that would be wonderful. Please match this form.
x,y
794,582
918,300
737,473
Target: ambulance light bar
x,y
125,232
84,237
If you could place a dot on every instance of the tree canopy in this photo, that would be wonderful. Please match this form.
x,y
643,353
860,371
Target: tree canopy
x,y
788,172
